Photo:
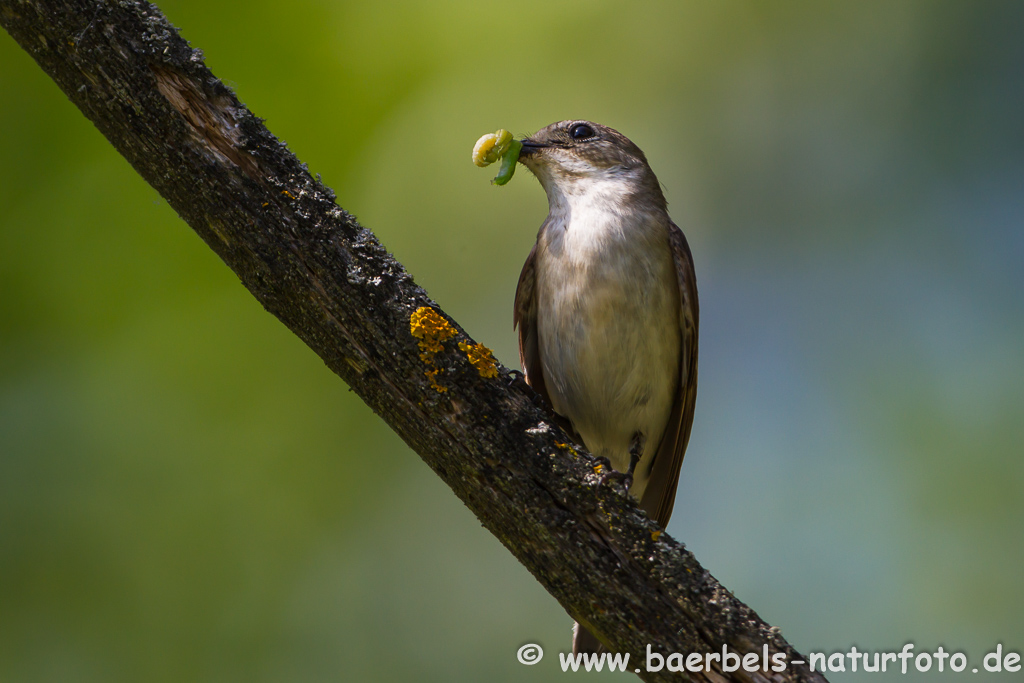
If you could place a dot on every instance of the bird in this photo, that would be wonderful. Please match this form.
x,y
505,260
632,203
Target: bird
x,y
607,314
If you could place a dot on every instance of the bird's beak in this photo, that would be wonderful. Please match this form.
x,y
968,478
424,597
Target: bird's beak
x,y
530,148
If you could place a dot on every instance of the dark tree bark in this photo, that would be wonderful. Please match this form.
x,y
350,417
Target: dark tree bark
x,y
331,282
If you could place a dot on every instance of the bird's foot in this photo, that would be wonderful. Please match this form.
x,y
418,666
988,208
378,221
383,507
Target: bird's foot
x,y
636,449
611,476
518,380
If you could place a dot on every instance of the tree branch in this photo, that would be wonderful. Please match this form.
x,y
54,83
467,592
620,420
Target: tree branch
x,y
332,283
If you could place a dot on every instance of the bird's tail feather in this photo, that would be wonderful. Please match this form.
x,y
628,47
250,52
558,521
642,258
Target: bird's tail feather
x,y
583,641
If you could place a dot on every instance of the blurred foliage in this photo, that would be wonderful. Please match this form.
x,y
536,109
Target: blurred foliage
x,y
186,493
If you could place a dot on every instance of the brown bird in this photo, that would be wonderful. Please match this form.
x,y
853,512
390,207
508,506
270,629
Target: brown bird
x,y
607,312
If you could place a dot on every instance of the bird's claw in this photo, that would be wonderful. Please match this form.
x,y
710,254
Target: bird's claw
x,y
518,380
609,475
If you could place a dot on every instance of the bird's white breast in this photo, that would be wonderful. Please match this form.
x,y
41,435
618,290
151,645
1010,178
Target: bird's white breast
x,y
608,322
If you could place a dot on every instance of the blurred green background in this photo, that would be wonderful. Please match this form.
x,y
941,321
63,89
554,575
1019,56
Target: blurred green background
x,y
187,494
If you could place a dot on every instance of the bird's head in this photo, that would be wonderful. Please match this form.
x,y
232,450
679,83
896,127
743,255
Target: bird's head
x,y
581,159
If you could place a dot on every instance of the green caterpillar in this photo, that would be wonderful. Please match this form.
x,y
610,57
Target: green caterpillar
x,y
494,146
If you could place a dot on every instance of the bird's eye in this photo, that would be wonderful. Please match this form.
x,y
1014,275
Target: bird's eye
x,y
581,131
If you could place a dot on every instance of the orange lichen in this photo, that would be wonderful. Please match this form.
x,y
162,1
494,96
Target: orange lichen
x,y
568,447
432,330
655,535
481,358
432,377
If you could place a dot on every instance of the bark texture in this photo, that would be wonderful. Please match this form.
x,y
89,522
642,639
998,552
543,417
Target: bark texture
x,y
332,283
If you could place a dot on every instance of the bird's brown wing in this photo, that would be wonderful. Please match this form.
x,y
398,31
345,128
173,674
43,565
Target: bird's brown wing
x,y
660,494
524,317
